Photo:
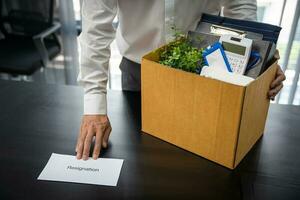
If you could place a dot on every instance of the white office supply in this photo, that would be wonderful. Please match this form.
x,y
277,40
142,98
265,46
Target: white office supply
x,y
237,50
66,168
214,56
218,74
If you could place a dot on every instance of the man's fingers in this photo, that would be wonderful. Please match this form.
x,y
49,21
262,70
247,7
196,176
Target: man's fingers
x,y
81,142
98,140
274,92
276,82
280,77
78,138
88,142
106,136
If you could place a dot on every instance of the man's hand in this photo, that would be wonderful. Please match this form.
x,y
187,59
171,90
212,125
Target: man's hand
x,y
276,84
92,125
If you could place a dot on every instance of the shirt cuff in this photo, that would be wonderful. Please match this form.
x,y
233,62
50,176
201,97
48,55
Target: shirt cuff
x,y
95,104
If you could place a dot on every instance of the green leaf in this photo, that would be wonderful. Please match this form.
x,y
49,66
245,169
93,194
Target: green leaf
x,y
180,54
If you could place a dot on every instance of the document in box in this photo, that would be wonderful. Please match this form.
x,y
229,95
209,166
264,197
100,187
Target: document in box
x,y
66,168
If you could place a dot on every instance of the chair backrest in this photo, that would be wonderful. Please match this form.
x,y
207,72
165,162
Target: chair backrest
x,y
26,17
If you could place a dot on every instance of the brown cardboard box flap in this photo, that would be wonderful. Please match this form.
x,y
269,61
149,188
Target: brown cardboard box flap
x,y
255,111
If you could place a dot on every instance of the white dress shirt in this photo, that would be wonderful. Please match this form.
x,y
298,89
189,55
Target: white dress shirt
x,y
143,27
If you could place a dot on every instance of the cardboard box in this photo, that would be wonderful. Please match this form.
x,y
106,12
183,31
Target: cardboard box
x,y
216,120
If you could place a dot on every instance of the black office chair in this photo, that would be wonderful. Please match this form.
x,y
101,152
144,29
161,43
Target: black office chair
x,y
29,32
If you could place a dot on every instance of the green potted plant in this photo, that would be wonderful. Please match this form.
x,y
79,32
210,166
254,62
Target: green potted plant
x,y
180,54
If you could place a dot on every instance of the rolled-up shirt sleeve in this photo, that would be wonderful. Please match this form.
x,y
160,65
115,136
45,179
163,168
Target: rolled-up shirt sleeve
x,y
240,9
95,39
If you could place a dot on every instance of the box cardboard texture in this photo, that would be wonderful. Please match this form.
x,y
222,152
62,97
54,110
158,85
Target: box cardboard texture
x,y
216,120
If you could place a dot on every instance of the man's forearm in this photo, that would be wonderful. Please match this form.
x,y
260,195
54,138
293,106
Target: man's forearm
x,y
95,39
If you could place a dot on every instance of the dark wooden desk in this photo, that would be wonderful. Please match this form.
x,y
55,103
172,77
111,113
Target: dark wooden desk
x,y
36,120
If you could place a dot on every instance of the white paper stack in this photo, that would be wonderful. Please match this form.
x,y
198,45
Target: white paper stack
x,y
228,77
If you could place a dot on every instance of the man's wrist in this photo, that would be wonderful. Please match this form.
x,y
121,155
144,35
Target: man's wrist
x,y
98,118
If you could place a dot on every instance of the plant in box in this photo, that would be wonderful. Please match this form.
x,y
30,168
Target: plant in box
x,y
180,54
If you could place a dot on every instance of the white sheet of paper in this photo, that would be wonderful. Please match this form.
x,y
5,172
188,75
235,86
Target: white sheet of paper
x,y
66,168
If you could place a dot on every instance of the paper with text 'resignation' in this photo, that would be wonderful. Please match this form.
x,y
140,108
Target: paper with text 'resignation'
x,y
66,168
